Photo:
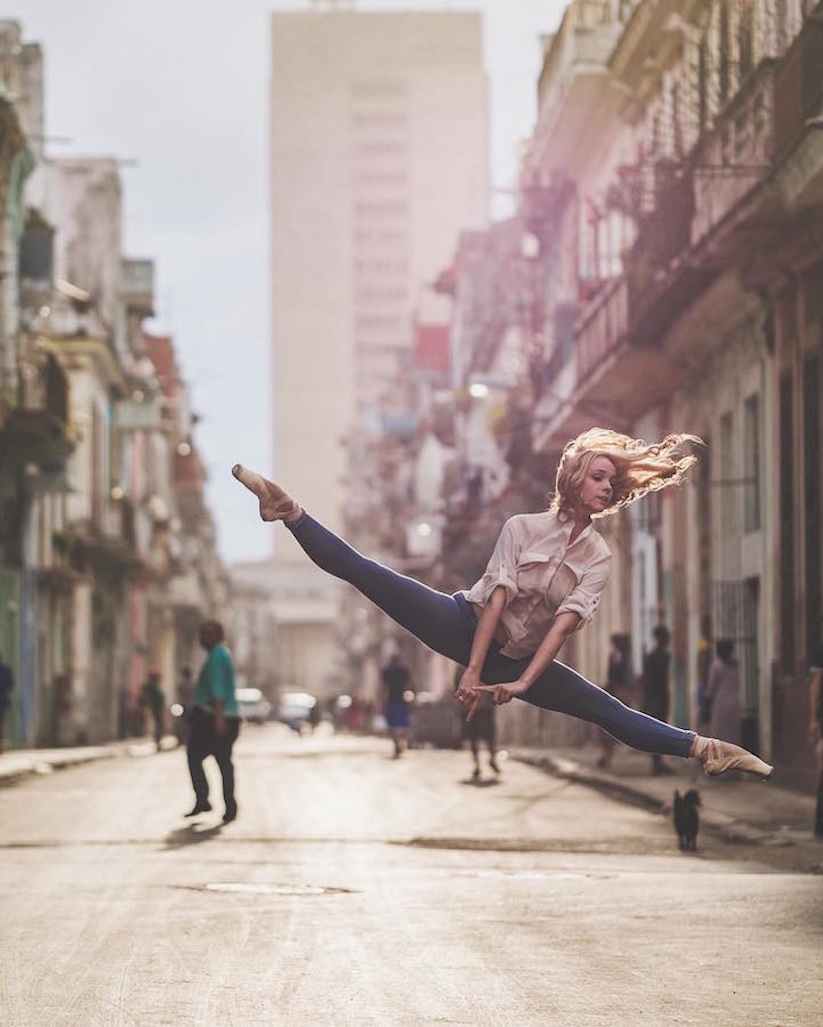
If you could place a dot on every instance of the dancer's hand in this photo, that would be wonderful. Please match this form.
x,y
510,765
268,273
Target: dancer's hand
x,y
467,693
506,692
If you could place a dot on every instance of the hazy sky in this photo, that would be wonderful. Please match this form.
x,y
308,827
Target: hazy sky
x,y
180,87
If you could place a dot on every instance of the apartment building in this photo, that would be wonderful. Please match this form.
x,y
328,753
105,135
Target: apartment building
x,y
379,157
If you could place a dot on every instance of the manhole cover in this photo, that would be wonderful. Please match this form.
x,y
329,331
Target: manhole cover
x,y
241,888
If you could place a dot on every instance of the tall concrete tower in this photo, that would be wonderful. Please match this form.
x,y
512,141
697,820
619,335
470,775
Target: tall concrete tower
x,y
379,158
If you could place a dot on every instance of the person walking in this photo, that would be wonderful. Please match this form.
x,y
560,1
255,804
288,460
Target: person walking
x,y
656,664
215,722
153,701
395,683
543,582
618,682
6,688
702,663
477,728
816,730
723,693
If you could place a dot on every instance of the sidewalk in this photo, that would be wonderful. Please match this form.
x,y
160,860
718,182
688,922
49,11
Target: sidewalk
x,y
738,810
20,763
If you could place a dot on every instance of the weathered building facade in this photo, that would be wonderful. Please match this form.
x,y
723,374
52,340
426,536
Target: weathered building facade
x,y
102,507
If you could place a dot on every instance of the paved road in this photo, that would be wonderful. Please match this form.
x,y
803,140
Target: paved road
x,y
359,890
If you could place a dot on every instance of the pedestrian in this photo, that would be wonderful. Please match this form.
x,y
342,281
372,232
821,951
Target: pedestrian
x,y
656,664
702,664
153,701
543,581
618,683
215,722
396,687
480,727
185,699
723,693
6,688
816,730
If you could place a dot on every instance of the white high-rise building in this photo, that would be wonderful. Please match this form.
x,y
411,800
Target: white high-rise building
x,y
379,159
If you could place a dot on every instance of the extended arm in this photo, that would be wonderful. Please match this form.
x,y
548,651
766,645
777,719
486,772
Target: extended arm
x,y
486,627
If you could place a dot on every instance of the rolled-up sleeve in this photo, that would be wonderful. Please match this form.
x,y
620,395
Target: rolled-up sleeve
x,y
585,596
501,569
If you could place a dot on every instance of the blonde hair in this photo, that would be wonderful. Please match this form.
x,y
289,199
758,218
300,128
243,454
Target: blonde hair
x,y
641,468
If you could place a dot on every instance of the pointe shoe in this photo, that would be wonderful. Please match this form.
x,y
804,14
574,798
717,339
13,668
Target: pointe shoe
x,y
718,757
275,505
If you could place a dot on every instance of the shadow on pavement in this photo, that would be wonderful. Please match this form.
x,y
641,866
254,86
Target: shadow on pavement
x,y
191,834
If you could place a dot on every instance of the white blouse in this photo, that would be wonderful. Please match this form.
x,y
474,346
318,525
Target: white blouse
x,y
543,576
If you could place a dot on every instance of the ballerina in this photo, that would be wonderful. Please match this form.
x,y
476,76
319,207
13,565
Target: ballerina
x,y
543,582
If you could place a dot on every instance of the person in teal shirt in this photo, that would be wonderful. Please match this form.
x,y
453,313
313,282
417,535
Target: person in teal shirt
x,y
215,723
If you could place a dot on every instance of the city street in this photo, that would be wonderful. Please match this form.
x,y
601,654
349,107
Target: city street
x,y
357,889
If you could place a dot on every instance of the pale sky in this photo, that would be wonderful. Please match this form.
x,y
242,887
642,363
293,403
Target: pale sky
x,y
180,88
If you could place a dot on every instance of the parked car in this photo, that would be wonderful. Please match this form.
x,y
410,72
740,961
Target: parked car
x,y
253,705
297,710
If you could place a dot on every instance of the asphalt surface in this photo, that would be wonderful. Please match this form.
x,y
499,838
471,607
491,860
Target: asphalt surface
x,y
355,890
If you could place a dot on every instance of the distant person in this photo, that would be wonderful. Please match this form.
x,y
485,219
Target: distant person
x,y
703,662
816,730
723,693
6,688
618,684
153,701
215,722
185,699
656,665
395,684
479,728
185,689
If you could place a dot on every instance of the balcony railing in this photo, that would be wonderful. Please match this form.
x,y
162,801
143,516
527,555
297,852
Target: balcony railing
x,y
798,87
736,155
603,328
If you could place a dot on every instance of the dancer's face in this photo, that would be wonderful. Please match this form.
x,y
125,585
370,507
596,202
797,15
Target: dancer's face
x,y
597,490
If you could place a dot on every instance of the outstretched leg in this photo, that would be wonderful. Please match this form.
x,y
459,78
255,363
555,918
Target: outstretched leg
x,y
433,617
563,690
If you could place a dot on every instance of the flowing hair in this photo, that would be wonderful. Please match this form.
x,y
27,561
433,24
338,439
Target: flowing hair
x,y
641,468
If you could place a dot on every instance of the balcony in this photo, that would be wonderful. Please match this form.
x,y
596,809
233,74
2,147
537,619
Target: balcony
x,y
652,40
734,158
798,104
603,329
137,286
36,431
574,87
798,88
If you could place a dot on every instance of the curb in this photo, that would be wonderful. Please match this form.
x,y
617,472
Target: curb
x,y
28,766
727,828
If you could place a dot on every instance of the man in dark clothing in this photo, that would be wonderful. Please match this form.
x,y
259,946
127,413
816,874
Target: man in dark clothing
x,y
396,682
816,729
215,722
656,665
153,700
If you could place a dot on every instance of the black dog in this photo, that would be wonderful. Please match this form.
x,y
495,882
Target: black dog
x,y
687,819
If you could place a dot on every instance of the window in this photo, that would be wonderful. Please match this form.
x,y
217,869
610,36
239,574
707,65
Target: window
x,y
727,494
745,40
811,505
751,464
786,520
703,84
725,55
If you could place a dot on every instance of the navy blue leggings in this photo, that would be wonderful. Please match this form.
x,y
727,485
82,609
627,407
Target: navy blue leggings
x,y
447,625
